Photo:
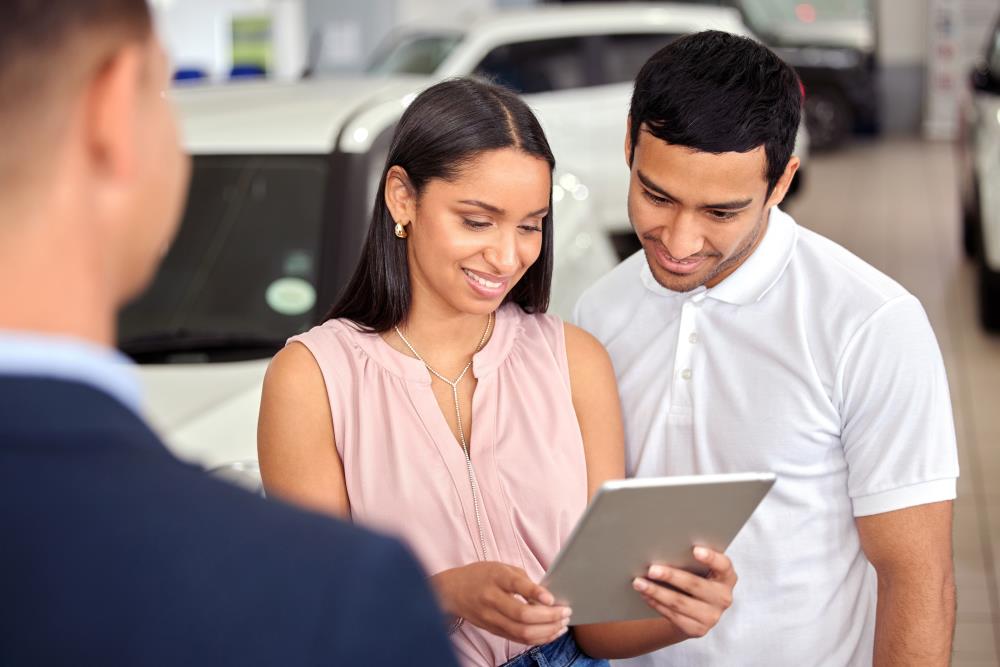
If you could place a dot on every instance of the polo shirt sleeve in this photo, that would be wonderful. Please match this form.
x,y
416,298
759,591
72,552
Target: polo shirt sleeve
x,y
898,431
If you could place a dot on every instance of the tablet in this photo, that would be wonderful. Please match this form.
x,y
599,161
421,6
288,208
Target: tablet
x,y
633,523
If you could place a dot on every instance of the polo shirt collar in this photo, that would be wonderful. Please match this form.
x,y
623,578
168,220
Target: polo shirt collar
x,y
755,276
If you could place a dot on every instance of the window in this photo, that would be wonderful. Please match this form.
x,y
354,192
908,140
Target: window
x,y
994,53
414,54
242,272
623,56
539,66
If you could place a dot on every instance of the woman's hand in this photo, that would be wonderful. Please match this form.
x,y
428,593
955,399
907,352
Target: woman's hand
x,y
698,603
502,600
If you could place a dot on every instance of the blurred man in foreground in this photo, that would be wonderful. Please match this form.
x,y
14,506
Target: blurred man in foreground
x,y
114,552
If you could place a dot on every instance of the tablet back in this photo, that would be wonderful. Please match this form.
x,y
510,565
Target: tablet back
x,y
631,524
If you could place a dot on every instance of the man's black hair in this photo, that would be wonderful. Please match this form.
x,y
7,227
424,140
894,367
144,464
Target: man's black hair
x,y
719,93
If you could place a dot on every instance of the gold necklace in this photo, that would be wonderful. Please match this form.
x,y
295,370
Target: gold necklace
x,y
458,417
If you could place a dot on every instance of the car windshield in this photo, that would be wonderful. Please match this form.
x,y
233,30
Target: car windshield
x,y
414,53
241,274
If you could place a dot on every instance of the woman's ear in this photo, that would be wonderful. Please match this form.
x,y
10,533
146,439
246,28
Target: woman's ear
x,y
400,196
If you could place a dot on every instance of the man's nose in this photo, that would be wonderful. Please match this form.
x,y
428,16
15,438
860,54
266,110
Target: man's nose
x,y
683,238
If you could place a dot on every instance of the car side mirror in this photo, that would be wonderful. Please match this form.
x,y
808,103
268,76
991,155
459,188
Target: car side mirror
x,y
983,79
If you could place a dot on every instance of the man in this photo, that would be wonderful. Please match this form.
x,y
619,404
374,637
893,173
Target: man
x,y
113,552
743,342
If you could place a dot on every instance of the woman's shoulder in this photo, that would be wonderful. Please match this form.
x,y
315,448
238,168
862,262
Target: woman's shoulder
x,y
576,341
325,331
331,338
325,345
580,342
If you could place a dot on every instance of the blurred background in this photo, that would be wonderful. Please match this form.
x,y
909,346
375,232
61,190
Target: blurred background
x,y
287,107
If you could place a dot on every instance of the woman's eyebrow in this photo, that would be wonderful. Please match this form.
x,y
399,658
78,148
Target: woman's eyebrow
x,y
499,211
480,204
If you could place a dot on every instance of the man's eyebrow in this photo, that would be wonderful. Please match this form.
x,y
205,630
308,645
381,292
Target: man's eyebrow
x,y
499,211
722,206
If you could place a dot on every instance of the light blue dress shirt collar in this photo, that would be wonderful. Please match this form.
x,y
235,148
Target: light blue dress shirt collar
x,y
63,358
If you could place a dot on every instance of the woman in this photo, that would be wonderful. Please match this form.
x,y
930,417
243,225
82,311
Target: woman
x,y
440,403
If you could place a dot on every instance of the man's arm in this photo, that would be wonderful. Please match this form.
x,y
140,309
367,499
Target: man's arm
x,y
911,551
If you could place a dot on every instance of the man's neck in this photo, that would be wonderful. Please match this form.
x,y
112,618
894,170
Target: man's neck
x,y
51,285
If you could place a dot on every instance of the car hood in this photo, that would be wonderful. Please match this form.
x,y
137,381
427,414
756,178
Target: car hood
x,y
205,413
304,117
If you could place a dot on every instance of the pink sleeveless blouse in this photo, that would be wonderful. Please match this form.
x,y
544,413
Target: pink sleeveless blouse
x,y
406,473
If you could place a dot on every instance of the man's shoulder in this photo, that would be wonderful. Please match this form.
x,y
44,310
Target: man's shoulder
x,y
611,295
99,464
623,281
838,296
121,521
826,266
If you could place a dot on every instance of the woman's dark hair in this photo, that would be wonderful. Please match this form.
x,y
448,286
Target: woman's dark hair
x,y
443,130
719,93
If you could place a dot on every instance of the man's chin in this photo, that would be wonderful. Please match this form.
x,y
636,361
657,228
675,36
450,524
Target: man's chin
x,y
678,282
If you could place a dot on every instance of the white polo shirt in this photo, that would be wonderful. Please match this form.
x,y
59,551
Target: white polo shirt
x,y
807,362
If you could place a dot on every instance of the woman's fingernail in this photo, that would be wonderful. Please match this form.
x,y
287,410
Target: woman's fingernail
x,y
700,553
562,632
657,572
567,612
639,584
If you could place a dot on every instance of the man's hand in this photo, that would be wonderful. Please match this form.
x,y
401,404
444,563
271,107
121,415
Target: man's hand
x,y
699,602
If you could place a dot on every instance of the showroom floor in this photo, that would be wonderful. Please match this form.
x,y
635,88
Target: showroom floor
x,y
895,204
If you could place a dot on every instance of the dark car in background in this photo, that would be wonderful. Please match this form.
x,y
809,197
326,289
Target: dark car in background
x,y
833,51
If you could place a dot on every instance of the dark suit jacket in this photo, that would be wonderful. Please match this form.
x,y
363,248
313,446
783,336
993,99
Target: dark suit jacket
x,y
114,553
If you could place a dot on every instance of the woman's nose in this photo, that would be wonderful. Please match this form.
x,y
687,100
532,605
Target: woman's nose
x,y
502,255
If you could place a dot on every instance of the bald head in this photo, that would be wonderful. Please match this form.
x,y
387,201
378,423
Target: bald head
x,y
49,49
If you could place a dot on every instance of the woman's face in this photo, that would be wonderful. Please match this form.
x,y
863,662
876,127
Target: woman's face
x,y
471,239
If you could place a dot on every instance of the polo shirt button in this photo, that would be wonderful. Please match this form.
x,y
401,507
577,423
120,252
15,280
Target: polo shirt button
x,y
693,338
686,374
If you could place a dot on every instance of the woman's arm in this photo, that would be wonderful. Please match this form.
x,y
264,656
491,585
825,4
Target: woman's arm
x,y
595,399
299,463
298,456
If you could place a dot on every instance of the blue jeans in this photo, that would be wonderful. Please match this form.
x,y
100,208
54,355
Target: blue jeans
x,y
562,652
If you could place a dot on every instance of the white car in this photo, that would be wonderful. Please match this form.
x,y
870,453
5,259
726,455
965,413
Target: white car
x,y
980,172
284,178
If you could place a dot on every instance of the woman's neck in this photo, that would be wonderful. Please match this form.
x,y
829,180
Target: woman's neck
x,y
444,337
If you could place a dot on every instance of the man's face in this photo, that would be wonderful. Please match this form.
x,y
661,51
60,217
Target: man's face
x,y
698,215
162,172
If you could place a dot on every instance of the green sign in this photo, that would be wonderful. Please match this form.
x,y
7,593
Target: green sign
x,y
252,43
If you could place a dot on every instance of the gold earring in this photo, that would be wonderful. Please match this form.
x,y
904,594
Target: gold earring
x,y
400,231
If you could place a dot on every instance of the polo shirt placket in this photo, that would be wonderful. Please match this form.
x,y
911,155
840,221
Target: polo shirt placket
x,y
685,372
